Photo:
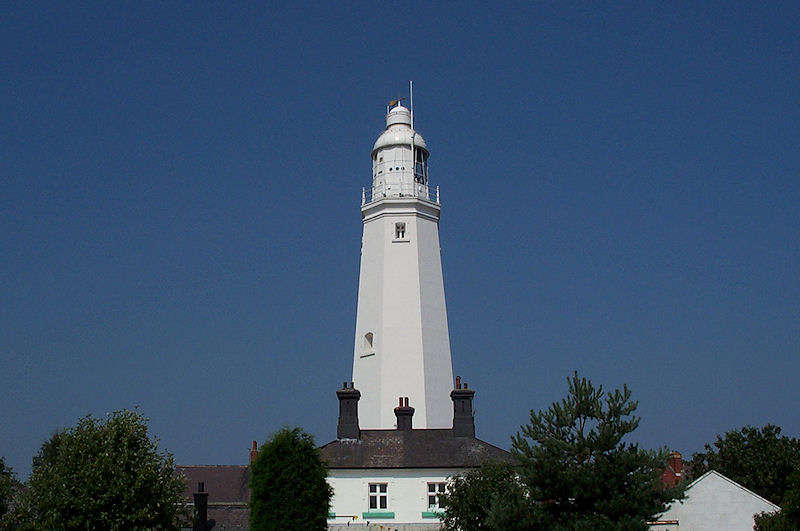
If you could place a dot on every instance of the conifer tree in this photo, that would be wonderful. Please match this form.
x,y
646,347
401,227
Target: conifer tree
x,y
581,472
575,471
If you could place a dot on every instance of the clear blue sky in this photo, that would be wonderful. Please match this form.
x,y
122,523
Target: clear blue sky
x,y
179,209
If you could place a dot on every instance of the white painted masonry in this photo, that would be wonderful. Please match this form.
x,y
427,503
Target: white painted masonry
x,y
402,343
714,503
407,496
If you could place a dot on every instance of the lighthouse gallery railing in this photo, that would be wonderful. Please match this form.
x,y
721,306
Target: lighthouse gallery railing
x,y
417,190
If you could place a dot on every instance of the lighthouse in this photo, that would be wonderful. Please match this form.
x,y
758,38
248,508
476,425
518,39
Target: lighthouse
x,y
402,343
405,428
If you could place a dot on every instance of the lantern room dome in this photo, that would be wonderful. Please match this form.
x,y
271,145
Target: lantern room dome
x,y
398,131
398,115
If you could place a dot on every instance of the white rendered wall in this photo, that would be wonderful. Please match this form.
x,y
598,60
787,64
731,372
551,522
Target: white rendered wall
x,y
401,303
715,503
407,494
402,343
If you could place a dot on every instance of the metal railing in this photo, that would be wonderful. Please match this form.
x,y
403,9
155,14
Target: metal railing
x,y
417,190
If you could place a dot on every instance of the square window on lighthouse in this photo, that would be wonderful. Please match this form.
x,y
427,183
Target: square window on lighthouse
x,y
399,231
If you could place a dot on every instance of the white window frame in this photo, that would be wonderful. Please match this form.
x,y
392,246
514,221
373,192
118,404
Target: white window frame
x,y
378,497
400,230
434,489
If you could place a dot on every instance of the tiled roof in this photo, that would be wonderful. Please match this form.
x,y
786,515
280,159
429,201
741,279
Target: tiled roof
x,y
225,484
431,448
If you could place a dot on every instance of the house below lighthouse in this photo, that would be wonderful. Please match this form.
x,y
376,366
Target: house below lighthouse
x,y
404,429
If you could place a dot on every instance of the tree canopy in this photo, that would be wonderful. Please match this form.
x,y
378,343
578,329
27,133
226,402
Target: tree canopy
x,y
103,474
575,470
765,462
472,495
760,459
288,489
788,518
8,485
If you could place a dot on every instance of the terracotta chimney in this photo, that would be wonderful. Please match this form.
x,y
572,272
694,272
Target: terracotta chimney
x,y
254,453
348,412
404,414
463,419
675,462
673,473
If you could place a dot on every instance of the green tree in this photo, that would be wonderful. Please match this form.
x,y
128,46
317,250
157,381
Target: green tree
x,y
788,518
104,474
472,497
8,487
580,472
288,489
574,472
760,459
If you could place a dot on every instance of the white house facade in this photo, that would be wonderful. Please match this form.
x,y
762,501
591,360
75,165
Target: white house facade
x,y
714,503
392,477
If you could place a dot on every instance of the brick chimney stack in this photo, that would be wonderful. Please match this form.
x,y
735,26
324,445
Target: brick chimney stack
x,y
463,419
404,414
676,462
348,412
673,473
254,453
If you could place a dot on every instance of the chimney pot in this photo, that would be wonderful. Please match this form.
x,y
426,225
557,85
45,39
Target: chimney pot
x,y
404,414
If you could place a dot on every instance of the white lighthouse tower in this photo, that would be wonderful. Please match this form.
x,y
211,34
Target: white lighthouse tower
x,y
402,344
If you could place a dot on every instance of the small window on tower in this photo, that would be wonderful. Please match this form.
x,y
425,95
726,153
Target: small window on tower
x,y
400,231
367,349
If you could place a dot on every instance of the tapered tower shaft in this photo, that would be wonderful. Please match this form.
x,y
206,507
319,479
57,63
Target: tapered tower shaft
x,y
402,343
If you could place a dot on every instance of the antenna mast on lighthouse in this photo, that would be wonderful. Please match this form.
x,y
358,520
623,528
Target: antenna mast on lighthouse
x,y
411,101
411,115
